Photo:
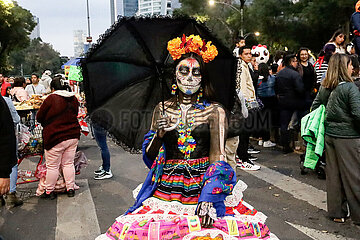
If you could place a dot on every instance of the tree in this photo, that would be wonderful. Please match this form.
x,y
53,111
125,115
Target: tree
x,y
16,24
36,58
216,18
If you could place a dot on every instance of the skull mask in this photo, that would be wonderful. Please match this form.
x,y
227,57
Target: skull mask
x,y
188,76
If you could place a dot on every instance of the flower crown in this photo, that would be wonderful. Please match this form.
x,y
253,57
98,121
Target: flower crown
x,y
193,43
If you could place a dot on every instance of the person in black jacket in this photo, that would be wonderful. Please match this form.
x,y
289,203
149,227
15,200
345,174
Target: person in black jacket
x,y
7,147
308,75
289,89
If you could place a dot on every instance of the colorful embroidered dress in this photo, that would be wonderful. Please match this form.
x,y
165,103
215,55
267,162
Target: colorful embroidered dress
x,y
166,203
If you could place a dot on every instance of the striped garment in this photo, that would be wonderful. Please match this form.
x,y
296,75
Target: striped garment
x,y
181,180
320,71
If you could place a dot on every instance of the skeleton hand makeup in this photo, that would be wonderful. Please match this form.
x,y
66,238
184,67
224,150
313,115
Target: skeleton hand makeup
x,y
188,76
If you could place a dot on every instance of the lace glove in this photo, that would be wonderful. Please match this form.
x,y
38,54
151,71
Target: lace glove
x,y
207,213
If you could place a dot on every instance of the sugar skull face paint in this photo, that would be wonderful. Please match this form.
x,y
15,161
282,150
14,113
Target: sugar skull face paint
x,y
188,76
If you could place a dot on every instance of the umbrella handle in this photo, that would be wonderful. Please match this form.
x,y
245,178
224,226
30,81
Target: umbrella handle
x,y
173,127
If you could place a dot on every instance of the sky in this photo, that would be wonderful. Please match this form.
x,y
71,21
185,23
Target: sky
x,y
59,18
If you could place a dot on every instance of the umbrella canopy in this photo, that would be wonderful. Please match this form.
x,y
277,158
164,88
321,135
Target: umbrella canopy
x,y
72,62
129,71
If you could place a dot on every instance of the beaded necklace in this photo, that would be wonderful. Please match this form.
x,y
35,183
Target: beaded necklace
x,y
186,143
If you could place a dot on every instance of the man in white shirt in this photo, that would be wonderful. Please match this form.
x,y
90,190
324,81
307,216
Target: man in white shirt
x,y
35,87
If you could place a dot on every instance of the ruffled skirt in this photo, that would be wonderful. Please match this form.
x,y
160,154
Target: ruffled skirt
x,y
158,219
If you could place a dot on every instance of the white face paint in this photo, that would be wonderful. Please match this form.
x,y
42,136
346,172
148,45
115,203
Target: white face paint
x,y
188,76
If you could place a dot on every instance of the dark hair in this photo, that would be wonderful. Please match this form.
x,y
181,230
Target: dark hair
x,y
241,50
208,91
274,68
300,50
355,64
19,82
6,92
337,33
58,84
37,75
288,58
264,71
279,55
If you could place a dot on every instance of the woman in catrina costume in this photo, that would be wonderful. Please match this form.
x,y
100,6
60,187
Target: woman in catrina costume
x,y
190,190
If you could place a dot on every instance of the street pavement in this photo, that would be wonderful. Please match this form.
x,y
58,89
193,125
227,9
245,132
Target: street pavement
x,y
295,204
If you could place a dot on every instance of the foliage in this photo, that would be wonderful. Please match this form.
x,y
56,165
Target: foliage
x,y
36,58
16,24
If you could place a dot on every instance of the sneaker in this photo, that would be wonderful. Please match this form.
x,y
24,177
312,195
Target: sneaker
x,y
247,166
253,151
252,158
104,175
339,220
99,171
261,142
269,144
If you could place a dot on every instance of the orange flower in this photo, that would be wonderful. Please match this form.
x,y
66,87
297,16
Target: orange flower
x,y
174,48
210,53
195,44
192,43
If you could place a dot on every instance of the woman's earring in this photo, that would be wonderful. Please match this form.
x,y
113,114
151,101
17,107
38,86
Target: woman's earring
x,y
173,89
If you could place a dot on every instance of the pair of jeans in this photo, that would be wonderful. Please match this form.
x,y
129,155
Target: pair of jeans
x,y
13,178
62,157
100,137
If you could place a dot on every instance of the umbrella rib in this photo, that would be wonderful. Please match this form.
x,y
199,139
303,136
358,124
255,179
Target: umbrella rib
x,y
150,57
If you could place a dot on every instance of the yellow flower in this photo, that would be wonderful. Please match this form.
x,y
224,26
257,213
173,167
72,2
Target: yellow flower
x,y
210,53
174,48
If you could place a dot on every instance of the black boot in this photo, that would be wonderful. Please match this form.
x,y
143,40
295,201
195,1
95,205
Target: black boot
x,y
50,196
2,201
13,200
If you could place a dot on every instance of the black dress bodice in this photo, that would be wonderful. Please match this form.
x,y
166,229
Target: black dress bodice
x,y
200,133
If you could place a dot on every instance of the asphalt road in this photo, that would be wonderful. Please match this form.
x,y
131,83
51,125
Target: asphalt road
x,y
295,204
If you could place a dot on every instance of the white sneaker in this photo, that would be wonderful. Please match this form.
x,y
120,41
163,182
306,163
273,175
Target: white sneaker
x,y
261,142
99,171
104,175
269,144
248,166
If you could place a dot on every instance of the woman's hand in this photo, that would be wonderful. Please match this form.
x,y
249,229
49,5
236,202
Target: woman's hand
x,y
204,211
162,124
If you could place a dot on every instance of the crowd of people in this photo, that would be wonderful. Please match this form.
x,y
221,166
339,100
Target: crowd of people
x,y
285,86
58,116
291,87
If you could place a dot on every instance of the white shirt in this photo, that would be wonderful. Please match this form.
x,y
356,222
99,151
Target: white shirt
x,y
32,89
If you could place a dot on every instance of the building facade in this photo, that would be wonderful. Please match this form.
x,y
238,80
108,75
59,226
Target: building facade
x,y
126,8
155,7
79,42
36,32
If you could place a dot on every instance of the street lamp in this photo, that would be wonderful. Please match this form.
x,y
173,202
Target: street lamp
x,y
241,11
250,33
